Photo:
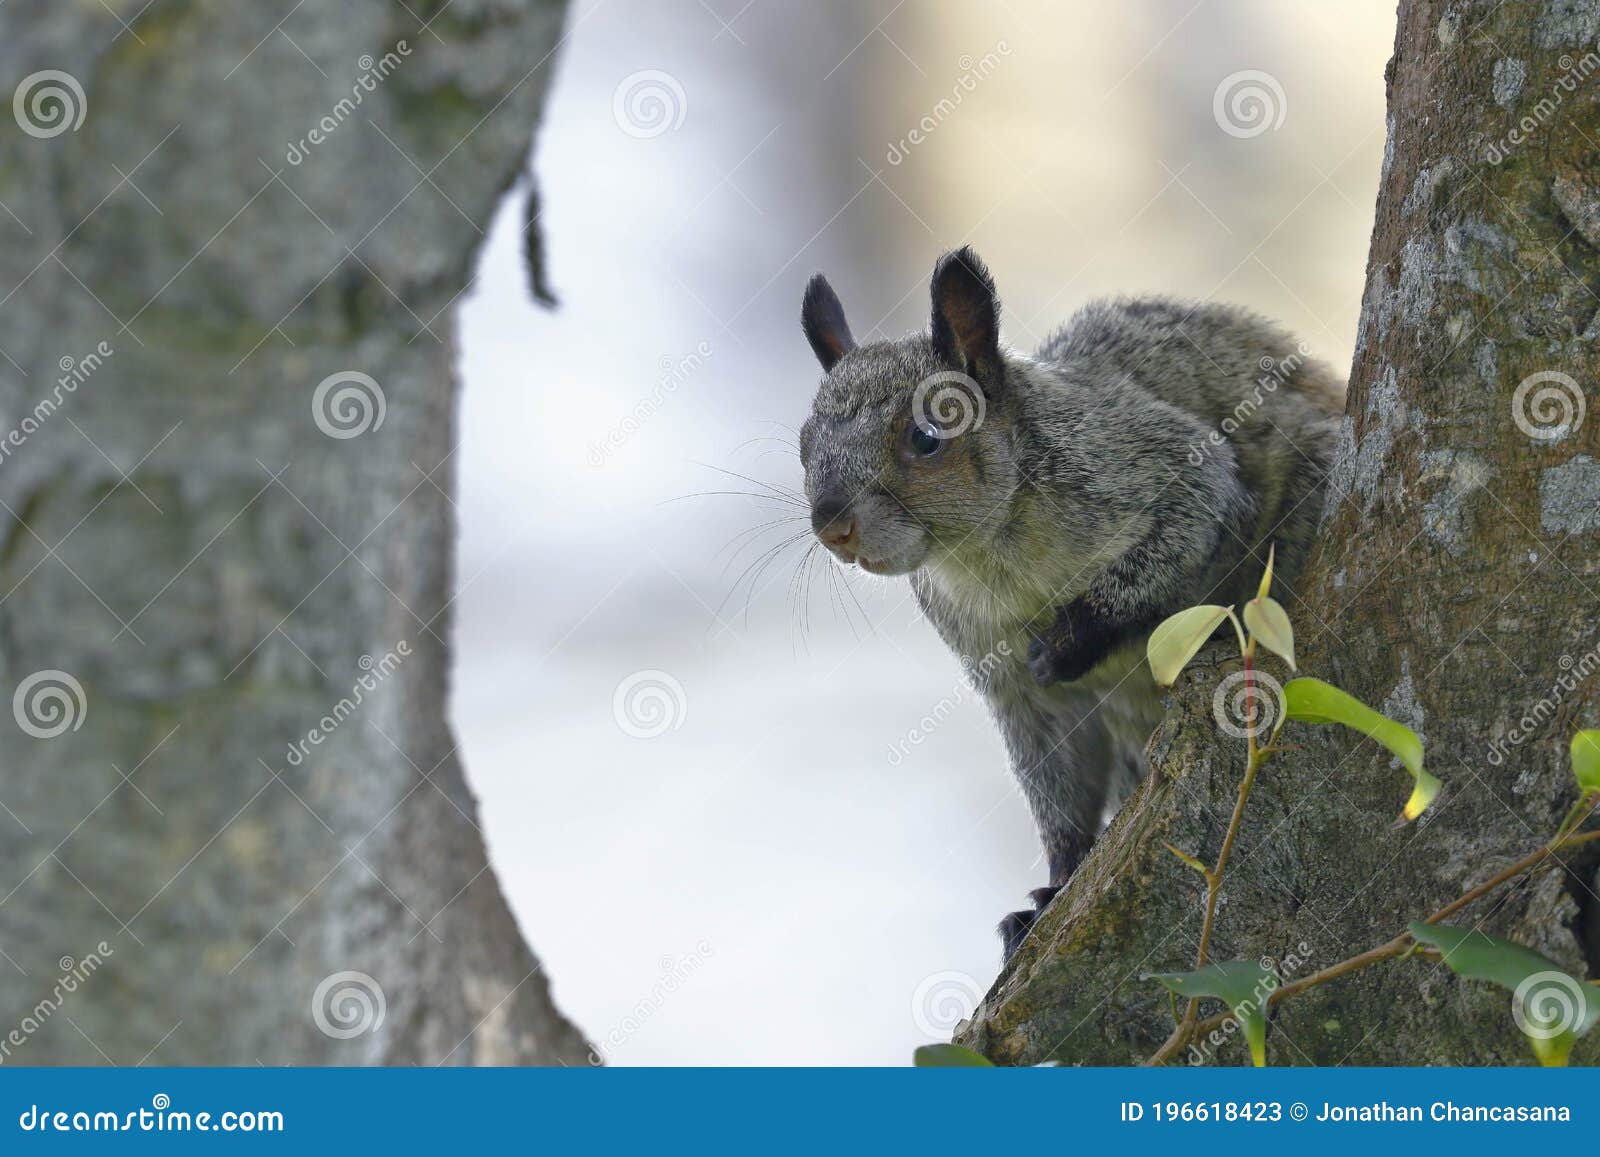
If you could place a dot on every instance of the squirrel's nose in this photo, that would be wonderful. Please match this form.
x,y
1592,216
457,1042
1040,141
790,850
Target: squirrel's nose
x,y
835,525
840,534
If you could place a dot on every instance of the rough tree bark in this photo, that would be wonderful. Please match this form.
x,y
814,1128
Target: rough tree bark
x,y
1456,586
201,557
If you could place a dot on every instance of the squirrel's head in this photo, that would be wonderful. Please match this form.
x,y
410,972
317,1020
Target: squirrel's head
x,y
907,450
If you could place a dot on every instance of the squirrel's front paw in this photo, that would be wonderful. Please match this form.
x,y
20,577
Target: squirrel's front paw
x,y
1072,646
1067,649
1052,663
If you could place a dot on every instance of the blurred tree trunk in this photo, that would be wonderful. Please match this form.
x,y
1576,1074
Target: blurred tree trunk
x,y
1456,587
236,829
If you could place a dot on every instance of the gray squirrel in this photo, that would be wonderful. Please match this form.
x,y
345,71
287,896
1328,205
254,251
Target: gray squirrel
x,y
1059,506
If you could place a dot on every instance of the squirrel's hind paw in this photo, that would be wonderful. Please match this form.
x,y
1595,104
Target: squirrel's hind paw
x,y
1015,927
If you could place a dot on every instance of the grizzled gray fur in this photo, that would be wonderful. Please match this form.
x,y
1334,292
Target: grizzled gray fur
x,y
1051,510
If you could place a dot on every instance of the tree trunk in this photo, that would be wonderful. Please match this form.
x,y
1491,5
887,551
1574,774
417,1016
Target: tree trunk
x,y
1455,588
237,829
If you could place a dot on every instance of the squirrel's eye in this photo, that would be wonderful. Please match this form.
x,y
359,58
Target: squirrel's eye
x,y
924,440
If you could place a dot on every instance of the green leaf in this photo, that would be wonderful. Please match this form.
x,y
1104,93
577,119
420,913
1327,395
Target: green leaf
x,y
949,1057
1175,641
1243,985
1269,623
1550,1007
1586,760
1313,701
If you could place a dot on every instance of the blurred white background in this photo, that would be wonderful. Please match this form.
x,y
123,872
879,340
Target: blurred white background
x,y
806,892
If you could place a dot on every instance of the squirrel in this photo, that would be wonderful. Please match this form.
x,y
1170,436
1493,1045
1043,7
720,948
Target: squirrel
x,y
1060,506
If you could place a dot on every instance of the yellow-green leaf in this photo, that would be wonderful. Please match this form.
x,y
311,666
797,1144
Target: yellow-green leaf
x,y
1426,790
949,1057
1243,985
1586,760
1175,641
1266,575
1313,701
1550,1007
1187,859
1269,623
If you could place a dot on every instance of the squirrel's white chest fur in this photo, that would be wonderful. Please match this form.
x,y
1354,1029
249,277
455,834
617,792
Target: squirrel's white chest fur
x,y
984,614
993,595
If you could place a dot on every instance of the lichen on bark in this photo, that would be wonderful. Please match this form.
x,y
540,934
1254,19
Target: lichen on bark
x,y
1455,582
184,538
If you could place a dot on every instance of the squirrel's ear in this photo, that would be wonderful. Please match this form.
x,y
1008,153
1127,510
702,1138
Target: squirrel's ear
x,y
822,317
966,316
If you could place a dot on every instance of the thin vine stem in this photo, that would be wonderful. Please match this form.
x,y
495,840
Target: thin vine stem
x,y
1257,757
1190,1026
1566,837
